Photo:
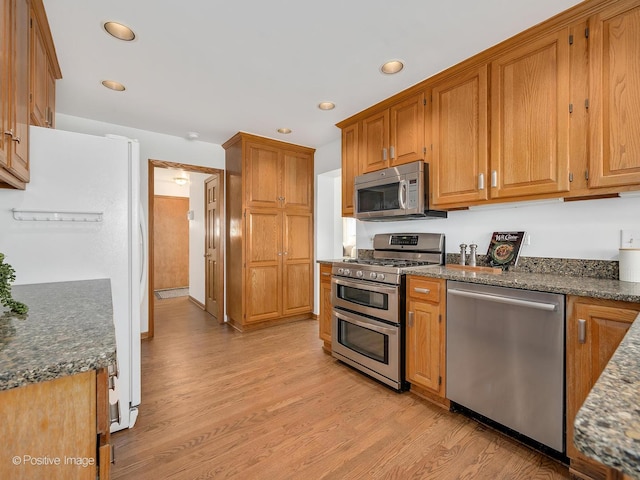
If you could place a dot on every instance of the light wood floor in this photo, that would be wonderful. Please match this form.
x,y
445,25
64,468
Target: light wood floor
x,y
270,404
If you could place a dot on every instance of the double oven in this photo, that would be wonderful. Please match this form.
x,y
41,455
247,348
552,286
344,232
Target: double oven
x,y
368,304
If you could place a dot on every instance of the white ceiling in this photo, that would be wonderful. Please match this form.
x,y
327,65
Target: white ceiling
x,y
217,67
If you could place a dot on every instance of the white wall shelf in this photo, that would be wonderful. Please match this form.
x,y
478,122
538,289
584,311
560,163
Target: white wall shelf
x,y
55,216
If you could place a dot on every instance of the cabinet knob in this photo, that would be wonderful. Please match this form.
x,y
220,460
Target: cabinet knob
x,y
392,152
481,181
426,291
582,331
384,154
494,178
411,319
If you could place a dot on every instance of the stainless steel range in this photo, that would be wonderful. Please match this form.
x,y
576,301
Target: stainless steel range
x,y
368,297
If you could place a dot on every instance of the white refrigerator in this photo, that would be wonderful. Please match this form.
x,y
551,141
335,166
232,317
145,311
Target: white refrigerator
x,y
80,218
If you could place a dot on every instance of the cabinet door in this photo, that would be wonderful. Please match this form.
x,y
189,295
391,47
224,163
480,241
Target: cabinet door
x,y
297,179
605,325
39,73
406,134
423,344
263,269
297,258
614,96
5,82
530,118
350,166
19,164
325,304
460,156
375,142
263,176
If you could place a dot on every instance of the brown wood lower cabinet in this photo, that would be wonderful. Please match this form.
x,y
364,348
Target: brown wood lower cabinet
x,y
324,321
595,328
57,429
425,337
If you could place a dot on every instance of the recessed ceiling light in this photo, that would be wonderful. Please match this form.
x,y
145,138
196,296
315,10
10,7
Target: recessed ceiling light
x,y
391,67
326,105
117,86
119,31
284,131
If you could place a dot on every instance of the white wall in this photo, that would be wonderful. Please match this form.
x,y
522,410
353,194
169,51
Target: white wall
x,y
153,146
586,229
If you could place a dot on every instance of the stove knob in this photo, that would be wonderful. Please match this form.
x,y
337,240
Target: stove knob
x,y
340,271
381,276
373,275
347,272
359,274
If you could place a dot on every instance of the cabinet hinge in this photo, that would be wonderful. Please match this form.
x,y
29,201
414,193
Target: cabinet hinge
x,y
586,32
571,39
571,108
432,147
586,103
31,23
586,174
424,102
439,380
424,149
440,318
570,176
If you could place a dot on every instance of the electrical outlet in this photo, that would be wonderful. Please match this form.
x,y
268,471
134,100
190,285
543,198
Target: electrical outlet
x,y
629,238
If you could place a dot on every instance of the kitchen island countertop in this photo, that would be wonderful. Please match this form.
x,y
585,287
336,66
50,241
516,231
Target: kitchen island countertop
x,y
69,329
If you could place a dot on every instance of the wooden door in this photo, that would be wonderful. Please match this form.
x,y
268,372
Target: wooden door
x,y
406,130
297,180
605,325
614,96
375,142
262,176
530,118
350,166
214,264
459,131
170,242
19,164
297,257
39,74
263,269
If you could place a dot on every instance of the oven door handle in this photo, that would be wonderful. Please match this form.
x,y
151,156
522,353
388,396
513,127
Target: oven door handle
x,y
364,285
364,324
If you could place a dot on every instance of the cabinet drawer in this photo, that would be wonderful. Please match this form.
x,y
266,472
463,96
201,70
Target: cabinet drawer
x,y
423,289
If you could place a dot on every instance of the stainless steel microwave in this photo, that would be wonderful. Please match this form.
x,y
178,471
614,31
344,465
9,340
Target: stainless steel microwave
x,y
397,193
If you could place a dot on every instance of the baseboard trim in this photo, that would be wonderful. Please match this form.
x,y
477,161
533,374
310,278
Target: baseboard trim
x,y
200,305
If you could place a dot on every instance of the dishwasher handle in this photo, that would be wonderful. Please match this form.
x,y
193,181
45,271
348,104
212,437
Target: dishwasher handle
x,y
548,307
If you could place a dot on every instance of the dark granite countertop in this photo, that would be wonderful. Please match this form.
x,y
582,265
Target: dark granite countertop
x,y
542,282
607,426
69,329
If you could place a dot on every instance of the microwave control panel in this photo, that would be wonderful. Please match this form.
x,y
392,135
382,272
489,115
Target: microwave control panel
x,y
412,193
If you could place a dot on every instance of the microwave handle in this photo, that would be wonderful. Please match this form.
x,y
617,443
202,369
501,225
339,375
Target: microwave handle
x,y
402,194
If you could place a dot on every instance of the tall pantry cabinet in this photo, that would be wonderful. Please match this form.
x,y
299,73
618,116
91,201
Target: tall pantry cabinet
x,y
269,251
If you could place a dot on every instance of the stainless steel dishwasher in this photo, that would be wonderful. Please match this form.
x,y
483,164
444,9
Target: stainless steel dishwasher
x,y
505,358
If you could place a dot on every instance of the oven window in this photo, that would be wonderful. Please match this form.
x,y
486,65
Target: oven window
x,y
363,297
380,198
366,342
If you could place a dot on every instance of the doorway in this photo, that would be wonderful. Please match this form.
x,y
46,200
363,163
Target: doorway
x,y
212,237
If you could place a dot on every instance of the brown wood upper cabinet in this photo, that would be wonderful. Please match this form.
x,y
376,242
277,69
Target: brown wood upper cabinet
x,y
14,94
278,178
459,132
350,165
614,96
45,69
530,118
393,136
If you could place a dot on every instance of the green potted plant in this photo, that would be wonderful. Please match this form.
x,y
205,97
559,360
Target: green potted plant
x,y
8,275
